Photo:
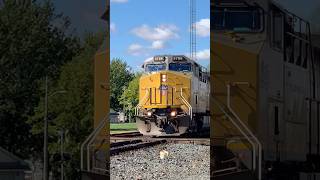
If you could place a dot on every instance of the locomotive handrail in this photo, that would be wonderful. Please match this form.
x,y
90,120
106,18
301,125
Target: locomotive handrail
x,y
88,141
313,100
136,109
297,37
96,132
186,103
239,128
246,128
226,169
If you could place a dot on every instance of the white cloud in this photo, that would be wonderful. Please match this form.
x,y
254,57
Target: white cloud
x,y
112,27
157,36
203,55
161,32
135,49
157,45
203,27
119,1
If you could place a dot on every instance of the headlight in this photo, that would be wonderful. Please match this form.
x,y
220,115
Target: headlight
x,y
163,78
173,113
149,113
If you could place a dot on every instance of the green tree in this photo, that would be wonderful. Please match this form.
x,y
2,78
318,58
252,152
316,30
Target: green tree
x,y
120,76
31,46
130,96
71,112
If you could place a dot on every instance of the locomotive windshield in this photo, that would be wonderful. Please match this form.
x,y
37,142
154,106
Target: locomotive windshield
x,y
180,66
243,19
155,67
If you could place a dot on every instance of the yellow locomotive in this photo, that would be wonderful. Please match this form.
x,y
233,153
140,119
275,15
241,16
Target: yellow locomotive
x,y
265,65
173,96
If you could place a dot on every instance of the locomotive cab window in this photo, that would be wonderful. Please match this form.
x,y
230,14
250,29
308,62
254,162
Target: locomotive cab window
x,y
205,79
238,19
155,67
196,70
180,67
277,29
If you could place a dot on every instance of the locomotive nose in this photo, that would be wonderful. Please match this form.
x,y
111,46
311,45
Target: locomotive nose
x,y
162,90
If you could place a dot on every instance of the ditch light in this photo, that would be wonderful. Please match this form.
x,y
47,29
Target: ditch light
x,y
163,78
173,113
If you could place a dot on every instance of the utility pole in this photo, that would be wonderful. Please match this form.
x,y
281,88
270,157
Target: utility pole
x,y
62,158
45,129
45,137
193,30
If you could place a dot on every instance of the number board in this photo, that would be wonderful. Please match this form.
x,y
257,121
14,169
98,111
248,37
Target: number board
x,y
160,58
178,58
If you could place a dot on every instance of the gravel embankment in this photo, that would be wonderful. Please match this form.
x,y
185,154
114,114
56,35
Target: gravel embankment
x,y
185,161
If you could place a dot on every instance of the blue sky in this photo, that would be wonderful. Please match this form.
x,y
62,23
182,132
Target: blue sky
x,y
141,29
85,15
127,15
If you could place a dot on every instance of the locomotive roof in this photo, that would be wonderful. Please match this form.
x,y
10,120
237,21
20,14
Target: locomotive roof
x,y
262,3
169,59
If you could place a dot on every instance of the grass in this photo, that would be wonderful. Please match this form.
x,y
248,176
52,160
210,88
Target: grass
x,y
122,127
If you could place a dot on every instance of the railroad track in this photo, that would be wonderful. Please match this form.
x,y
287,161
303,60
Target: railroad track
x,y
134,140
199,141
191,137
129,134
132,145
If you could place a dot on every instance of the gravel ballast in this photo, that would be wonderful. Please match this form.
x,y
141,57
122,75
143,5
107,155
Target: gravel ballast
x,y
184,161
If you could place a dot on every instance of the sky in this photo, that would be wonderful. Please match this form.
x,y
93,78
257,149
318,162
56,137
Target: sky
x,y
85,15
141,29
